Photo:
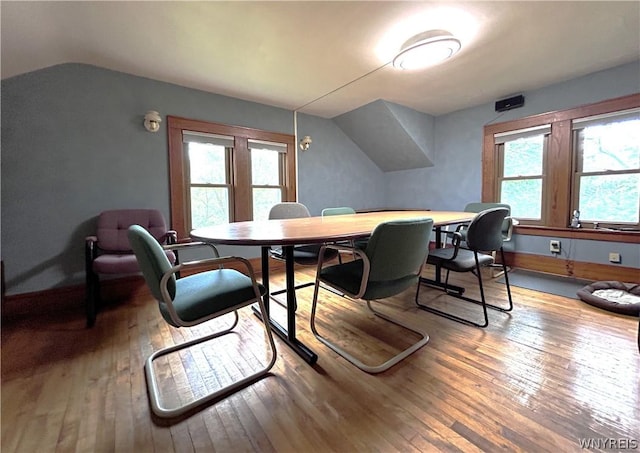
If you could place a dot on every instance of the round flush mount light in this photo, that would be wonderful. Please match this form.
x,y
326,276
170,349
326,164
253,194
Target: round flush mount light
x,y
426,49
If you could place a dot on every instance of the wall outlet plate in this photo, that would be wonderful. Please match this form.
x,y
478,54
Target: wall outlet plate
x,y
554,246
614,257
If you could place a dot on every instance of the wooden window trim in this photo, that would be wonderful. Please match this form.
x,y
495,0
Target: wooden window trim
x,y
560,167
240,165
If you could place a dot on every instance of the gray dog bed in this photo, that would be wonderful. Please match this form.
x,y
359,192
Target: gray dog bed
x,y
623,298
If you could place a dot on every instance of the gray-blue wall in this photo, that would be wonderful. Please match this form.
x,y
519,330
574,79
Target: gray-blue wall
x,y
73,145
456,177
334,171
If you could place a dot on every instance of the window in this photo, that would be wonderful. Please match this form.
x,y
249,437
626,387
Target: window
x,y
521,178
548,165
221,174
607,173
208,174
267,176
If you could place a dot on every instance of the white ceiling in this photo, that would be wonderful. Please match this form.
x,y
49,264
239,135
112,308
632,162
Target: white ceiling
x,y
300,54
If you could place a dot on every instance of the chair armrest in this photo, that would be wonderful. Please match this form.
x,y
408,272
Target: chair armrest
x,y
511,222
172,237
455,241
356,251
192,245
90,251
344,248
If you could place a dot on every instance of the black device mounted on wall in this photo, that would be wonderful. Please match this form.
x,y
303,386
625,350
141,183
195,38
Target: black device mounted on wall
x,y
510,103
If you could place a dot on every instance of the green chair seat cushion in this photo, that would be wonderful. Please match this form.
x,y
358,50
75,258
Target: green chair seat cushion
x,y
464,261
199,295
348,277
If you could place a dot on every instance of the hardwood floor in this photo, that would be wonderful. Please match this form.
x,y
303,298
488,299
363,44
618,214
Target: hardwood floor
x,y
550,376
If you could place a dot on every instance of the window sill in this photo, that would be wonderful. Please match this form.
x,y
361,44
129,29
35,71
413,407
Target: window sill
x,y
580,233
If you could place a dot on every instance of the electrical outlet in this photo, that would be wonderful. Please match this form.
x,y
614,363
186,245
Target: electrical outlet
x,y
554,246
614,257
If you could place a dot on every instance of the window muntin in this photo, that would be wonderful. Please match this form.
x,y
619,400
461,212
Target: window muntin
x,y
607,169
521,180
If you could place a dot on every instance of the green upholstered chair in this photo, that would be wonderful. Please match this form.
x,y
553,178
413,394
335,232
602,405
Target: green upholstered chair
x,y
344,210
303,254
391,263
483,237
192,300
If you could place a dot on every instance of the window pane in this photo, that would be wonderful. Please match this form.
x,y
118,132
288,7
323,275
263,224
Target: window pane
x,y
612,146
524,196
265,167
523,157
263,200
207,163
209,206
610,198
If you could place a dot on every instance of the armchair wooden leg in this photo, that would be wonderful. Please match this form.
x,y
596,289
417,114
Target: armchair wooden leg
x,y
92,298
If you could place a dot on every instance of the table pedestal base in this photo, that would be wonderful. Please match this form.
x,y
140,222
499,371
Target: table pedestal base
x,y
299,348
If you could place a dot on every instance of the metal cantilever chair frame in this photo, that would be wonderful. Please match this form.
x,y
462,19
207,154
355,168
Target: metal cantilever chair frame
x,y
439,257
365,260
175,320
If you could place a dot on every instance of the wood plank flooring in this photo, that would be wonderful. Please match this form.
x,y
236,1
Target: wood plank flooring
x,y
550,376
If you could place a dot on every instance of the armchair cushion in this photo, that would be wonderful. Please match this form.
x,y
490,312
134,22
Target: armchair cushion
x,y
113,225
116,264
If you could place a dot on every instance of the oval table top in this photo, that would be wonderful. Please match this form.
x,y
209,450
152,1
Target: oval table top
x,y
309,230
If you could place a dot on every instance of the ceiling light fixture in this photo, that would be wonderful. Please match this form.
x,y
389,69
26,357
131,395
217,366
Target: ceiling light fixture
x,y
426,49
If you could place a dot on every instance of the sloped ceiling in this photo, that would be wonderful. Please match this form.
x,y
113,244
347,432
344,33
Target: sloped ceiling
x,y
402,138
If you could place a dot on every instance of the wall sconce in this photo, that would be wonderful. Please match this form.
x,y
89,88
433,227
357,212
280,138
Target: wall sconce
x,y
305,143
152,121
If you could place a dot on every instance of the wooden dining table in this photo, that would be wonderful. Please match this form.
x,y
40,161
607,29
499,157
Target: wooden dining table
x,y
311,230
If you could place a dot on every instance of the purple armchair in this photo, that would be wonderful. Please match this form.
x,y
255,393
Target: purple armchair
x,y
109,251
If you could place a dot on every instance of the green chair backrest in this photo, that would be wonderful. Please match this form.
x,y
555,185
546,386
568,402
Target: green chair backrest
x,y
288,210
338,211
484,233
152,260
398,249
